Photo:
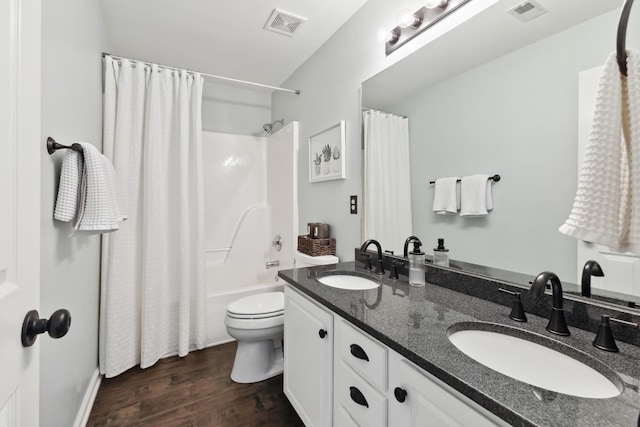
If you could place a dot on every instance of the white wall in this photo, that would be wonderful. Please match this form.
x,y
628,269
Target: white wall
x,y
234,110
72,42
330,91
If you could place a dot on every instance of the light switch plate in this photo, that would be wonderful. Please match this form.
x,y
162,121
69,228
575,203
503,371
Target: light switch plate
x,y
353,204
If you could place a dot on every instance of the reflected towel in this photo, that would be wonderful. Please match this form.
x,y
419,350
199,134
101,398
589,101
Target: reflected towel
x,y
446,197
475,195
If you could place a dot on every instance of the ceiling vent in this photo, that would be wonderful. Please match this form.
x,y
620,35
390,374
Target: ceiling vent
x,y
284,22
527,11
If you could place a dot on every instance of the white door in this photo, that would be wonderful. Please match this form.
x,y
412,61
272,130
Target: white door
x,y
621,270
19,206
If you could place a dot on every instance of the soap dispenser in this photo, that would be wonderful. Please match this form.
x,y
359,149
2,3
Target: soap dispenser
x,y
441,254
416,265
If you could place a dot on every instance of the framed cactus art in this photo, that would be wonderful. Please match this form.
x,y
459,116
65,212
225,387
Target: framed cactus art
x,y
327,154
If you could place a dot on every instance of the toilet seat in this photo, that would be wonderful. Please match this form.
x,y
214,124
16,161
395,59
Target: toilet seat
x,y
257,306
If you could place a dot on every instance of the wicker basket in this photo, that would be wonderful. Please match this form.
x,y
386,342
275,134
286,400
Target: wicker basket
x,y
316,247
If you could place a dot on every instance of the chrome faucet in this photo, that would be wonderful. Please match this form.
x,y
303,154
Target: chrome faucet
x,y
557,323
379,265
591,268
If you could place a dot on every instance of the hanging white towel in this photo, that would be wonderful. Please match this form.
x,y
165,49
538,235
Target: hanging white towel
x,y
68,197
88,193
475,195
446,196
606,209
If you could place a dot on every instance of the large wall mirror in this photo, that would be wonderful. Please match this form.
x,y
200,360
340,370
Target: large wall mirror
x,y
501,96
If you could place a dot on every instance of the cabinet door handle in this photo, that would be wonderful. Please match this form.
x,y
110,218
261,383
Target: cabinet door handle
x,y
400,394
358,397
358,352
322,333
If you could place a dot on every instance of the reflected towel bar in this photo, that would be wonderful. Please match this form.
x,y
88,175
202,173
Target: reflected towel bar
x,y
495,178
53,146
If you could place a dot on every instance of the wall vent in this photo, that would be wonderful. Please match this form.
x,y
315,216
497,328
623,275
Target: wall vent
x,y
527,10
283,22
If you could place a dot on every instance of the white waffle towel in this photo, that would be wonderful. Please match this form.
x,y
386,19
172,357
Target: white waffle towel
x,y
475,195
606,209
68,197
446,196
88,192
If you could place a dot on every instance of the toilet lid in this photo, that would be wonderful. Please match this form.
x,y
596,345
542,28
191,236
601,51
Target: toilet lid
x,y
268,303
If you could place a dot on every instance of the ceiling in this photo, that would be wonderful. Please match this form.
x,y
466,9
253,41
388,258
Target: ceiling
x,y
222,37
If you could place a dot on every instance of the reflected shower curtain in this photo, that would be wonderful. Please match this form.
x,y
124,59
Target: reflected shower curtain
x,y
153,289
387,185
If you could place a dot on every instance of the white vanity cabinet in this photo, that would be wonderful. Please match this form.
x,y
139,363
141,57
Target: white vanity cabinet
x,y
417,398
308,359
365,382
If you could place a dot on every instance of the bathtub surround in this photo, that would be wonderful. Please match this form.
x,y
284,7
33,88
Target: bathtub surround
x,y
250,196
153,298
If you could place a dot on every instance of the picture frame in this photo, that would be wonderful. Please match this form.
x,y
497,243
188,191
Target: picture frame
x,y
327,154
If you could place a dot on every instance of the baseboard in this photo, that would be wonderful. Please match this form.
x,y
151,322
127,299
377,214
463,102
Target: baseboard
x,y
89,397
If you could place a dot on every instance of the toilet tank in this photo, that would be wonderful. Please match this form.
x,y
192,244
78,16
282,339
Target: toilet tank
x,y
304,260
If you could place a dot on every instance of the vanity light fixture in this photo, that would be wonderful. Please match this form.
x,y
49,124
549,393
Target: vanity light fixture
x,y
410,25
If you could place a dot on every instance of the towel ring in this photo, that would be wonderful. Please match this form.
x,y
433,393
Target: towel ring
x,y
621,49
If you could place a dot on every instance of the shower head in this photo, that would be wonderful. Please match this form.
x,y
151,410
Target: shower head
x,y
268,127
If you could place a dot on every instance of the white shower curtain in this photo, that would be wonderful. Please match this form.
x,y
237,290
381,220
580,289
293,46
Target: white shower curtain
x,y
387,185
153,290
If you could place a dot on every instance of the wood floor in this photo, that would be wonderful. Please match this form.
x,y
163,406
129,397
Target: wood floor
x,y
191,391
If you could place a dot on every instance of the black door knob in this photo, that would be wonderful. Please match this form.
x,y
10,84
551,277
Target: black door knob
x,y
322,333
57,326
400,394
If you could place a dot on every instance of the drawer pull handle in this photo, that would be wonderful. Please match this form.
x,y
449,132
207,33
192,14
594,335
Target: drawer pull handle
x,y
322,333
358,352
358,397
400,394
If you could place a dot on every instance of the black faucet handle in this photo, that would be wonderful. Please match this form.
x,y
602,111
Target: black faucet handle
x,y
367,260
604,339
394,269
517,310
388,252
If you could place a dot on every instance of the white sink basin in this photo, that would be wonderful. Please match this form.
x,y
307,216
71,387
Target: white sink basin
x,y
347,281
535,364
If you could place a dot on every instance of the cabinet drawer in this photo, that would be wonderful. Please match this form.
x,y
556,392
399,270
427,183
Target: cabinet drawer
x,y
350,389
362,353
342,418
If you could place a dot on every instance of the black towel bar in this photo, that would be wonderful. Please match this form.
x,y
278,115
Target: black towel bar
x,y
53,146
494,178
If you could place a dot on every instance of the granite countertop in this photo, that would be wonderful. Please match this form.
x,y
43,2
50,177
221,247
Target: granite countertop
x,y
414,320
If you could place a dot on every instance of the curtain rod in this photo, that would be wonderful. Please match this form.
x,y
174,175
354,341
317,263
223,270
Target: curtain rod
x,y
369,110
229,79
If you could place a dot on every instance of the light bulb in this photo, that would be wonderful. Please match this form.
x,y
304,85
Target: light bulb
x,y
392,36
432,4
406,18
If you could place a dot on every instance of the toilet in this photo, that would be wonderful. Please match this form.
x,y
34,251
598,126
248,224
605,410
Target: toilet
x,y
304,260
257,323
